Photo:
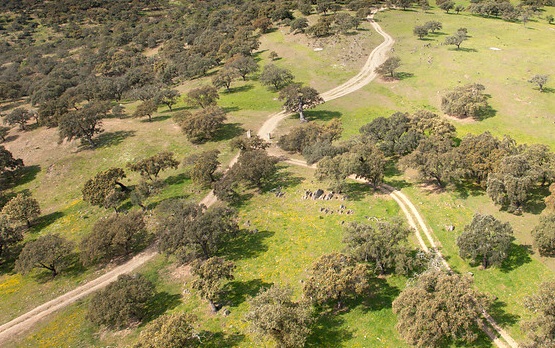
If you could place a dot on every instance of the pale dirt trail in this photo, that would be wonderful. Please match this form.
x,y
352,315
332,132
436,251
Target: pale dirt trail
x,y
365,76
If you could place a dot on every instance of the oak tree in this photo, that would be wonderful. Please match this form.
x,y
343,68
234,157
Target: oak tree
x,y
544,235
105,189
50,252
485,240
201,167
541,329
9,236
388,67
174,330
149,168
275,76
203,125
203,97
22,208
298,98
210,276
438,309
273,313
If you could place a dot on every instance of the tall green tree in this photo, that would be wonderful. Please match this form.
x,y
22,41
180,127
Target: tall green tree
x,y
84,123
149,168
298,98
243,64
122,302
388,67
114,236
511,183
191,231
9,236
273,313
50,252
539,80
457,39
203,125
335,277
379,244
146,108
210,276
203,97
485,240
466,101
105,189
22,208
201,167
19,116
438,309
174,330
541,329
275,76
544,235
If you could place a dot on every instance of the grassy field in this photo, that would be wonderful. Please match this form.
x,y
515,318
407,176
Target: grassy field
x,y
292,233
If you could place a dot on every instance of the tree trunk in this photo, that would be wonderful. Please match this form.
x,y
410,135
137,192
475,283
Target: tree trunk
x,y
28,223
485,262
300,109
122,186
213,307
91,143
149,118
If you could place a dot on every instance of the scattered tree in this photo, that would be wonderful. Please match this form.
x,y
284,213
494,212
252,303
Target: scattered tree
x,y
167,97
308,134
541,329
273,55
345,22
117,235
22,208
169,331
379,244
203,125
4,132
146,108
511,183
550,19
539,80
459,8
243,64
8,235
447,5
457,39
8,164
299,25
202,166
298,98
105,189
84,123
275,76
122,302
50,252
388,67
203,97
466,101
420,31
335,277
209,277
433,26
191,231
249,143
254,167
439,308
544,235
224,77
322,28
273,313
19,116
149,168
485,240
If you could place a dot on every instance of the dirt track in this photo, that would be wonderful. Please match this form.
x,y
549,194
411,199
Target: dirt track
x,y
365,76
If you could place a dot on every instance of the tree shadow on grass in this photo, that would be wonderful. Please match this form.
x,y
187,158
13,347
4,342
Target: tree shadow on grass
x,y
321,115
464,189
75,268
219,339
7,260
239,89
229,109
488,112
328,331
497,310
176,179
15,136
545,90
160,303
356,191
237,292
112,138
403,75
536,201
381,295
156,119
229,131
46,220
281,180
518,255
26,174
246,244
463,49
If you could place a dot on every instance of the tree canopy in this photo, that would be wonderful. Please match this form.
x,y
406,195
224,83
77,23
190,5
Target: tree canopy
x,y
202,125
209,278
439,308
191,231
50,252
298,98
544,235
174,330
275,76
388,67
485,240
466,101
84,123
8,235
273,313
201,167
122,302
149,168
22,208
541,329
203,97
335,277
105,189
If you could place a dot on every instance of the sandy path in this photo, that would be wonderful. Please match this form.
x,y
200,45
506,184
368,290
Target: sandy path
x,y
365,76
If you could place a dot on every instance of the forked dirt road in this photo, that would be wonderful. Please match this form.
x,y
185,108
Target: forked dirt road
x,y
366,75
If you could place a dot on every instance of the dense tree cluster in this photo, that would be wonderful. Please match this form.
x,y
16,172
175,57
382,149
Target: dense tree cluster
x,y
541,329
